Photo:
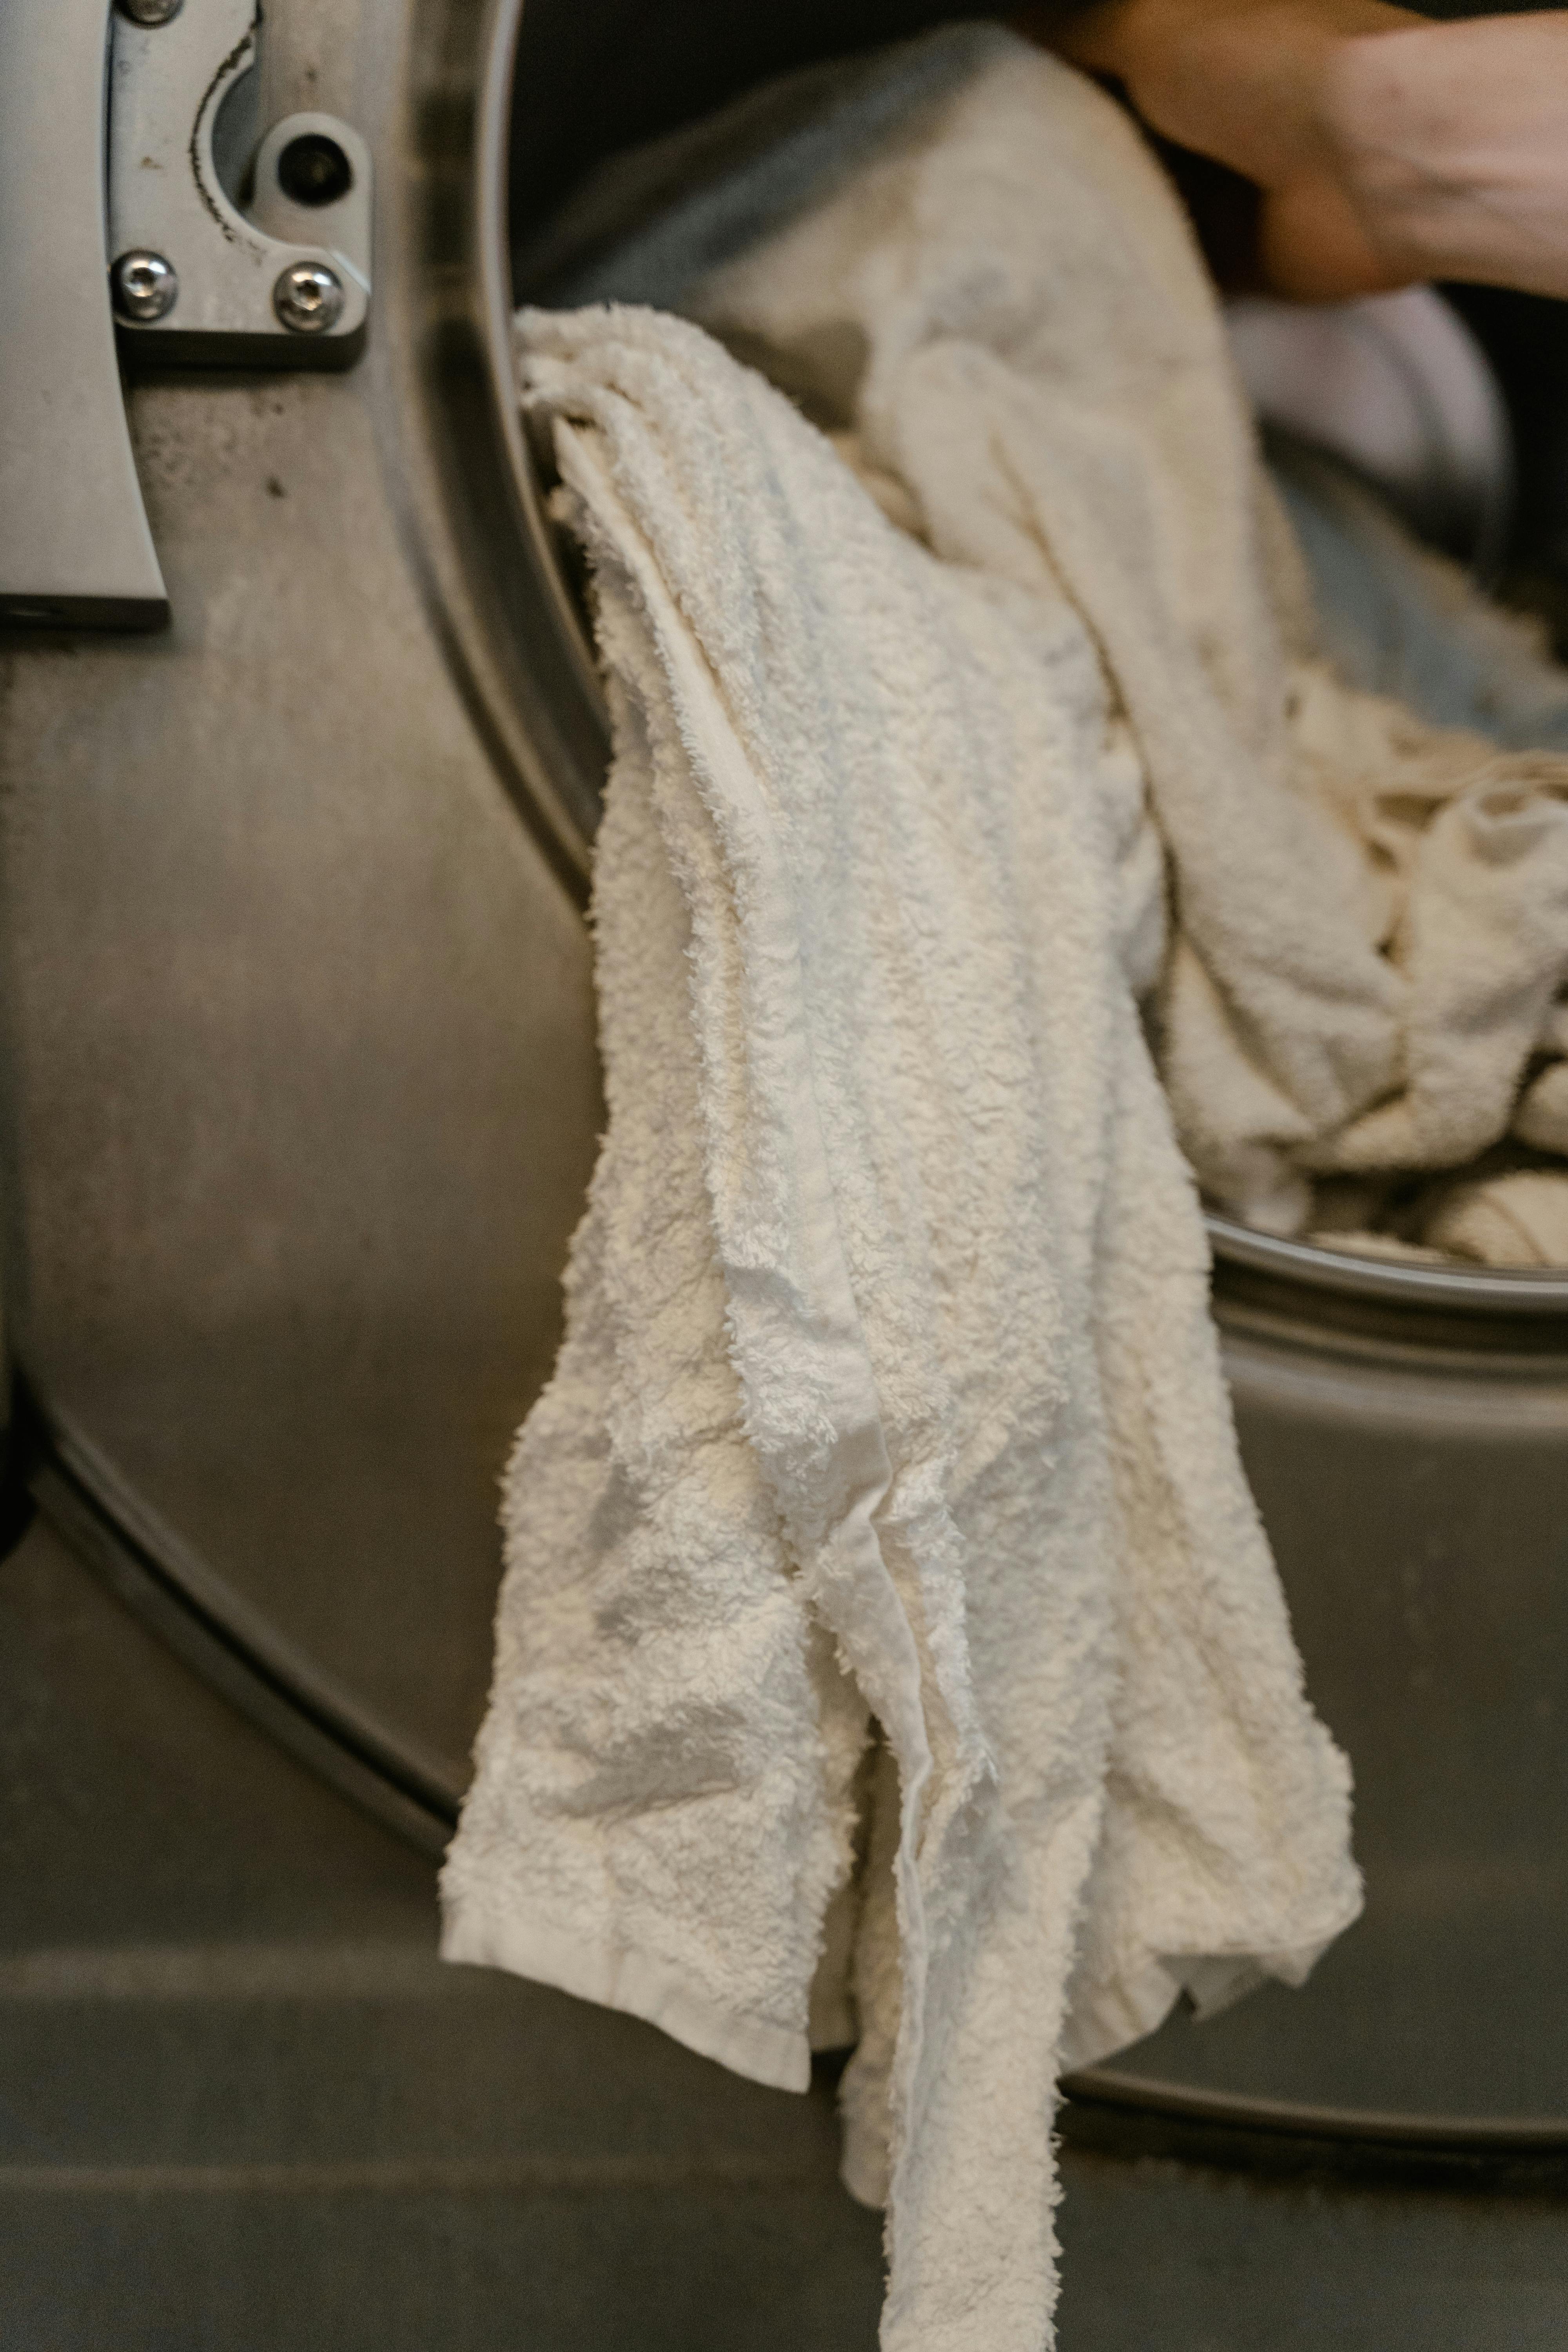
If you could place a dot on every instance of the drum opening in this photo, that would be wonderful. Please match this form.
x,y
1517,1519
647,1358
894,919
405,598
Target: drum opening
x,y
567,90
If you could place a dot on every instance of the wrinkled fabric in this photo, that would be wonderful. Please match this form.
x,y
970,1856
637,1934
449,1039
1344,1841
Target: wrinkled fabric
x,y
883,1525
1001,311
1407,623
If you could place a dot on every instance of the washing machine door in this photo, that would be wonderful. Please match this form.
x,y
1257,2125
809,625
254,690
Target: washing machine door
x,y
301,1096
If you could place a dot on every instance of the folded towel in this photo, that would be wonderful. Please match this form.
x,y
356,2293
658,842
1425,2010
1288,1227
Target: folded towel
x,y
887,1459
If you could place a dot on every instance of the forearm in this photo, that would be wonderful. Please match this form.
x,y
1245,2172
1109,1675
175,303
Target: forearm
x,y
1388,148
1452,142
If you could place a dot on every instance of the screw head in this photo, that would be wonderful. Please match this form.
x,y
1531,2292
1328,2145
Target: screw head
x,y
150,12
313,170
309,298
144,286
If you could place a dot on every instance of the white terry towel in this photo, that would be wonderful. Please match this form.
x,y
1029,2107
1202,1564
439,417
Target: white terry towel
x,y
889,1388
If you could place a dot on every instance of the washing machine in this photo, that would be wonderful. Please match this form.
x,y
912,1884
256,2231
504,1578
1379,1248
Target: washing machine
x,y
301,748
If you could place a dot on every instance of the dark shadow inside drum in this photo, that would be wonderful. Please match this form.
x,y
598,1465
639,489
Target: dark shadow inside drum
x,y
592,81
1405,1426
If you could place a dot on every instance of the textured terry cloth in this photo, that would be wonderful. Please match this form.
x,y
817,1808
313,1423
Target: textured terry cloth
x,y
965,261
889,1388
1401,620
888,1342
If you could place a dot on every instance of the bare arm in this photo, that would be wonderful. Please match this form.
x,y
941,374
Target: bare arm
x,y
1388,148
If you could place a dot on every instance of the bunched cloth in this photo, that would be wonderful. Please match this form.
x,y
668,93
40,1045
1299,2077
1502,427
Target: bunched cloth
x,y
880,1571
961,260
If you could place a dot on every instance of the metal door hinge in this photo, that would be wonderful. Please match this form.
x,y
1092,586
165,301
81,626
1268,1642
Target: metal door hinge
x,y
226,248
171,229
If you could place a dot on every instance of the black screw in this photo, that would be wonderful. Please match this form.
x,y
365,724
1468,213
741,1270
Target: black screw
x,y
313,170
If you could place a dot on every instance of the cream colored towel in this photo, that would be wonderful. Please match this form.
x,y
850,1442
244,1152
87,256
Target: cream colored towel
x,y
1519,1219
890,1389
1404,622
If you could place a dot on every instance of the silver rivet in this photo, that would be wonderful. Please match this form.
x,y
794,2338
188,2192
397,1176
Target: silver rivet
x,y
144,286
309,298
150,12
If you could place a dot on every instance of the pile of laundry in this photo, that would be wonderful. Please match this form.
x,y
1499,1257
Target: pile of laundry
x,y
890,1652
1398,618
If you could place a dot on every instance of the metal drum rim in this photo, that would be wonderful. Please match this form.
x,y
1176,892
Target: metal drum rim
x,y
493,297
1391,1282
1114,2086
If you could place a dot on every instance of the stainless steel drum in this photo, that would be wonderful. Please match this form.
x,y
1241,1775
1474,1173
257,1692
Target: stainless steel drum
x,y
1405,1432
299,1106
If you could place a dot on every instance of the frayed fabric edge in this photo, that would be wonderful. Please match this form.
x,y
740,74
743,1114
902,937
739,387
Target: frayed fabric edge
x,y
1112,2016
617,1978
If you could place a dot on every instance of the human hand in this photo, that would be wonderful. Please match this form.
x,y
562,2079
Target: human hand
x,y
1386,148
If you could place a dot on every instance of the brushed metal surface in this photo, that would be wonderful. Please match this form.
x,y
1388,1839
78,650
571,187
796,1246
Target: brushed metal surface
x,y
74,542
300,1088
1415,1497
243,2108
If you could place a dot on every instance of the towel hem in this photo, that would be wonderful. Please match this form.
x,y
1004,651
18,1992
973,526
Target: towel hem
x,y
619,1978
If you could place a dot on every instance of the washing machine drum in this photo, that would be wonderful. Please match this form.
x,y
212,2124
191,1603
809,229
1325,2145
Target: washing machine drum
x,y
301,1097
